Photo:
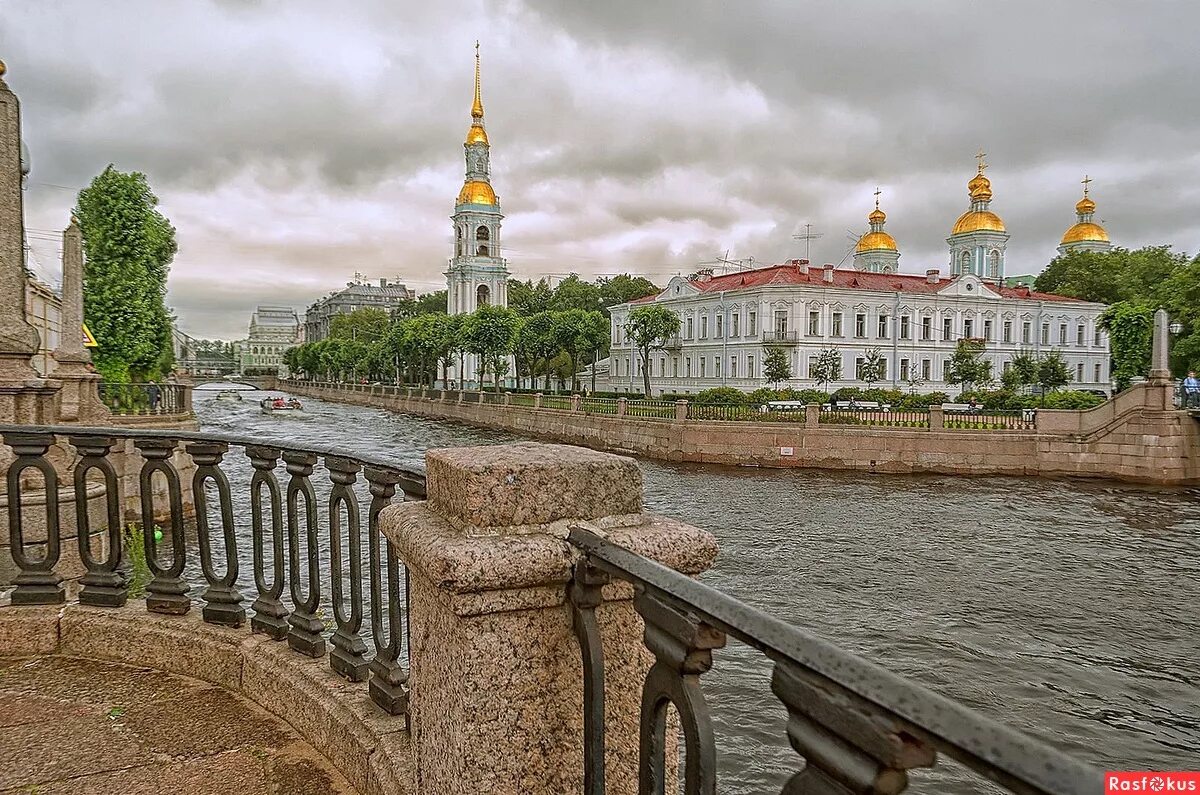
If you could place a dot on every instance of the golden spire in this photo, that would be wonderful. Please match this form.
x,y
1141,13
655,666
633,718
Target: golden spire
x,y
477,107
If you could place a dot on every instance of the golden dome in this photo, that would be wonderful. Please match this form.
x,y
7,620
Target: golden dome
x,y
3,68
1085,231
980,188
477,135
978,221
1085,205
477,192
873,241
877,216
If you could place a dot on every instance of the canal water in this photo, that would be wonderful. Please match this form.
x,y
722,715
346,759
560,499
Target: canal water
x,y
1066,608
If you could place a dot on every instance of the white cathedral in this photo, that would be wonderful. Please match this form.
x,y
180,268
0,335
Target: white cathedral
x,y
477,274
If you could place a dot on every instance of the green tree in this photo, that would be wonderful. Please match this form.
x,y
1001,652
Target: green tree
x,y
575,293
1052,373
648,328
624,288
968,368
827,368
491,333
129,246
777,366
872,366
1130,327
593,339
1110,276
527,298
572,331
1022,372
361,325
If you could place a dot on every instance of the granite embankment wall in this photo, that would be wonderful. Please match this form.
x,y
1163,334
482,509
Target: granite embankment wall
x,y
1137,437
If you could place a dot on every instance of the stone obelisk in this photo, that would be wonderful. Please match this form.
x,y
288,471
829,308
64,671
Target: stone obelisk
x,y
24,397
80,384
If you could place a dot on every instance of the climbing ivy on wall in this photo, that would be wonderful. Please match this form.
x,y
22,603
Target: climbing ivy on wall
x,y
1130,326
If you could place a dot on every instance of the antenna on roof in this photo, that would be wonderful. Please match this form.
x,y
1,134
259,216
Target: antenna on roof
x,y
808,236
853,237
727,265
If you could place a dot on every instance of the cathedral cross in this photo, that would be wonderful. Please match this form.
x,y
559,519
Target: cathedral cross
x,y
982,165
1086,181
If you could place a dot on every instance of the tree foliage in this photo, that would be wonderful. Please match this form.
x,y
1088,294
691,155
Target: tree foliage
x,y
827,368
129,246
968,368
364,324
872,366
1130,327
777,366
1143,280
649,328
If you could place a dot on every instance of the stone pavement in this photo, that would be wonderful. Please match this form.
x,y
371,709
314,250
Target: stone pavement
x,y
74,726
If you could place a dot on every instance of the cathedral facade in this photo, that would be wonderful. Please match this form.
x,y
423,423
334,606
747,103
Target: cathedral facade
x,y
477,275
728,323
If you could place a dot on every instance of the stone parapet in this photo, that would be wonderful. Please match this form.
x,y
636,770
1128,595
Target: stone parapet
x,y
497,680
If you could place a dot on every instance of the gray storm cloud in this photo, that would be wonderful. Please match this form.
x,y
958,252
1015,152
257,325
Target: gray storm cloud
x,y
295,143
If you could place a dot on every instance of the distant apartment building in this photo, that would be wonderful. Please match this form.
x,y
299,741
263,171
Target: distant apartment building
x,y
273,330
43,311
359,294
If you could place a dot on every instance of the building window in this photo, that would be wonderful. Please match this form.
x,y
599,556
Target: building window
x,y
1045,333
858,367
968,327
733,367
749,366
675,367
687,366
947,328
987,330
1079,335
904,369
927,328
946,371
690,324
837,324
1026,332
814,324
716,367
812,365
1079,372
926,369
662,368
860,325
704,327
883,327
905,331
1062,334
994,264
703,359
752,323
780,323
1008,331
1096,336
720,330
734,323
1097,378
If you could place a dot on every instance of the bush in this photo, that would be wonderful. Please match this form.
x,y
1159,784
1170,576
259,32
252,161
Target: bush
x,y
912,402
720,396
1072,399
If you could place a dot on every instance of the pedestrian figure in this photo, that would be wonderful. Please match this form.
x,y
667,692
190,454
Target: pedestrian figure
x,y
1191,391
152,392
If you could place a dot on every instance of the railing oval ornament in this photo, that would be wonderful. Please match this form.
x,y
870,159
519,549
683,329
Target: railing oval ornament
x,y
103,584
222,597
167,591
389,680
37,583
305,634
270,615
348,657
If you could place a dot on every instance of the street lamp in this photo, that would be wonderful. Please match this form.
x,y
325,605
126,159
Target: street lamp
x,y
1176,327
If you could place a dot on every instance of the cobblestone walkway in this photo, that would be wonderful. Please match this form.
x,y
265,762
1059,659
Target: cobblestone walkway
x,y
71,726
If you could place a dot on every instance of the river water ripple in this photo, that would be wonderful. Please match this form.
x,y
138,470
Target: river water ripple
x,y
1065,608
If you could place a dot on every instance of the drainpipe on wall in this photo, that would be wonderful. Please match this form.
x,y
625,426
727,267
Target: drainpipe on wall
x,y
724,338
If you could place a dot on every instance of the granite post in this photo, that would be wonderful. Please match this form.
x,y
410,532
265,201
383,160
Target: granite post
x,y
24,396
496,676
81,385
1160,348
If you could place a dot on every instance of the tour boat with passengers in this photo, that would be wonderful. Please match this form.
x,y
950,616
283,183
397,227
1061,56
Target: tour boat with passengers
x,y
271,405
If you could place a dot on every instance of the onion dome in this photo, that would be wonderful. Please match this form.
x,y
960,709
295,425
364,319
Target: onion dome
x,y
477,192
1085,229
476,135
979,218
876,239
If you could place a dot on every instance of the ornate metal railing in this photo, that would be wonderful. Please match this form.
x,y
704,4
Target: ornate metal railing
x,y
857,727
980,420
889,418
135,399
280,517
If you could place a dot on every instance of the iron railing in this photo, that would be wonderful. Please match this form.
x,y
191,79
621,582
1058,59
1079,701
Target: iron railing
x,y
651,409
780,337
595,405
891,418
980,420
856,726
280,516
136,399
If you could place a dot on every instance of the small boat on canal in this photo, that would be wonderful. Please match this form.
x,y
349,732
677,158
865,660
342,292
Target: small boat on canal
x,y
228,394
273,405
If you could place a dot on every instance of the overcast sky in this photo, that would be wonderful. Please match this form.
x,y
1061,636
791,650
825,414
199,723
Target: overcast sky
x,y
294,142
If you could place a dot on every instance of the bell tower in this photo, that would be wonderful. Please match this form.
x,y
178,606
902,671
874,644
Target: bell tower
x,y
477,274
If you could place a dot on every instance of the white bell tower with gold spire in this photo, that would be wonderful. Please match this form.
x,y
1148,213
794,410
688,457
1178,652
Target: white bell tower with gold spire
x,y
477,274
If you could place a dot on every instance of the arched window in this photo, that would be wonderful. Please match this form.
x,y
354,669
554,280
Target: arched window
x,y
964,262
482,233
483,296
994,264
482,250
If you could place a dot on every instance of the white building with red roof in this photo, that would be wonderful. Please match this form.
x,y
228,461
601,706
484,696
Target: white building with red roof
x,y
727,324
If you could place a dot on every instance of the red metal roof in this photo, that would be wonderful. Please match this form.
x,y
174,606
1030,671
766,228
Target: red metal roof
x,y
791,274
